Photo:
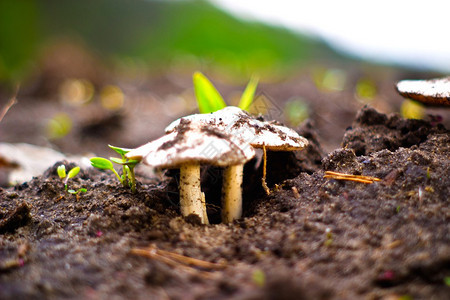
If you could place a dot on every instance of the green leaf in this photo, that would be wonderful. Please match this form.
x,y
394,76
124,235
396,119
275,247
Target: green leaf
x,y
81,190
73,172
61,170
101,163
132,163
249,93
121,151
116,160
208,98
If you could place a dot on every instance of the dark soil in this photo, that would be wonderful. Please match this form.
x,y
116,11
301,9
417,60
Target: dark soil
x,y
312,238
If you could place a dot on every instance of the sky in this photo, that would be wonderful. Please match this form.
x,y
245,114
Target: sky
x,y
411,32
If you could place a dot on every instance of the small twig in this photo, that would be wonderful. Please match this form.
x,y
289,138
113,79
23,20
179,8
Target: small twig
x,y
213,207
185,263
263,179
350,177
295,192
171,262
192,261
11,102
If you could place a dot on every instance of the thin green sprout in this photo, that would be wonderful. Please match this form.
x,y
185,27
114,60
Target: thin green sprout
x,y
61,170
209,99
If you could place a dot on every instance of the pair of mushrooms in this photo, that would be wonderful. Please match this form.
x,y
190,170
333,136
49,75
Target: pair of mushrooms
x,y
225,138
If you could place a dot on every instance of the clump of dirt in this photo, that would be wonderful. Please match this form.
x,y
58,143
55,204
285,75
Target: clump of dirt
x,y
12,220
386,132
312,238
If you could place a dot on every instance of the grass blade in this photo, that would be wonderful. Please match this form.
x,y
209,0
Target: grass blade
x,y
208,98
249,93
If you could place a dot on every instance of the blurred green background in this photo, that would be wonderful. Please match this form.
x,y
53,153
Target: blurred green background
x,y
149,35
89,73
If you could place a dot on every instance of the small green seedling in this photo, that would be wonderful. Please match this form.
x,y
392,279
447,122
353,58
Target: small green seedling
x,y
81,190
127,178
209,99
61,170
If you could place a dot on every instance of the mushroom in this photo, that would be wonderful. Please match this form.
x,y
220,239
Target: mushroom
x,y
434,92
188,146
237,122
259,134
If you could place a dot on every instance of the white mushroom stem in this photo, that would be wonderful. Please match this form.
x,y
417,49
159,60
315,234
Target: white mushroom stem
x,y
232,193
191,199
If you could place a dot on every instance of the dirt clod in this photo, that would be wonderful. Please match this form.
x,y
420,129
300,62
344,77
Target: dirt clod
x,y
15,218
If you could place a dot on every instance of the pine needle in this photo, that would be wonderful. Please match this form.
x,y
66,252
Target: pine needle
x,y
186,263
11,102
263,179
350,177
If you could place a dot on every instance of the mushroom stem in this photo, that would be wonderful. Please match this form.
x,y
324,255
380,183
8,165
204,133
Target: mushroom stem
x,y
232,193
190,192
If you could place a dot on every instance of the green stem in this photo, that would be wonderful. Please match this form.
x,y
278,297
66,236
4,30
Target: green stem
x,y
132,178
117,175
124,175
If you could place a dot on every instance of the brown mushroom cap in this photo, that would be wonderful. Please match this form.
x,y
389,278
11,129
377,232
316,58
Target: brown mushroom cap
x,y
433,92
191,142
236,122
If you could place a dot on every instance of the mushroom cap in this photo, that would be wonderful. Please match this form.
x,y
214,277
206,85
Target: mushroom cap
x,y
235,121
191,142
431,92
